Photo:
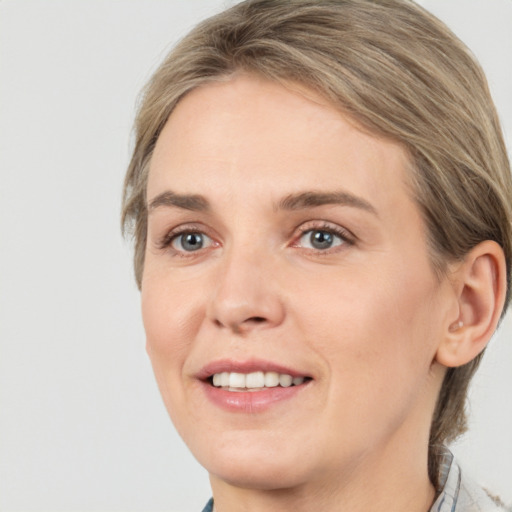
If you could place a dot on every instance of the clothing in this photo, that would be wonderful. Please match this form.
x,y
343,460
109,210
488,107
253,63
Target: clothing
x,y
459,493
209,506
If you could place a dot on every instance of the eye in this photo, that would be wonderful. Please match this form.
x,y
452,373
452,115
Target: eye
x,y
321,239
190,241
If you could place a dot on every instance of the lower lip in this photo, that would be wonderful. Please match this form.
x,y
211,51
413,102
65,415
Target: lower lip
x,y
250,401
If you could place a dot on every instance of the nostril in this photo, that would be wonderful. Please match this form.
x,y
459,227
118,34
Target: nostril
x,y
238,327
256,319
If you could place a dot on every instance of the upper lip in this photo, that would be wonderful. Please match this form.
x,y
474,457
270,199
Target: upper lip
x,y
248,366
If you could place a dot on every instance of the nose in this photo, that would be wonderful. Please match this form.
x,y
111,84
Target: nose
x,y
245,296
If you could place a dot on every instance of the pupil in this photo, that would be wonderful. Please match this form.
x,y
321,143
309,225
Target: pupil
x,y
192,242
321,239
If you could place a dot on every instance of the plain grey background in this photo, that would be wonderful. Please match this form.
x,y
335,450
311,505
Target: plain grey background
x,y
82,427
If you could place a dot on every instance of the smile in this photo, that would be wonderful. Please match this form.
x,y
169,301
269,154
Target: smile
x,y
254,381
251,386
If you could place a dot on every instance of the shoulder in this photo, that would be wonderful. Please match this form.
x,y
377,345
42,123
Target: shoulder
x,y
473,497
461,494
209,506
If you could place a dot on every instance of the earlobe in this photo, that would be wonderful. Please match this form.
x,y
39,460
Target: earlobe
x,y
480,282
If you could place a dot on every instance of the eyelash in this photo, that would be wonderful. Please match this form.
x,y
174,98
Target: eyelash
x,y
343,234
346,237
167,240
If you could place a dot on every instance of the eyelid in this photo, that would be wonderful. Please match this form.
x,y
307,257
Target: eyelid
x,y
178,240
321,225
165,241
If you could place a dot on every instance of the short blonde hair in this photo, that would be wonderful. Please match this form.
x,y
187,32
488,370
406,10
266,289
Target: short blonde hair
x,y
401,74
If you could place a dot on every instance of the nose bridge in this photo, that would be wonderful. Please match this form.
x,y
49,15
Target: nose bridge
x,y
246,294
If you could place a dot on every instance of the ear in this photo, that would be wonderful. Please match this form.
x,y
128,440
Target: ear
x,y
480,283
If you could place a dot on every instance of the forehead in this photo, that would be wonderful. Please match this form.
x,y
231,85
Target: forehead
x,y
251,131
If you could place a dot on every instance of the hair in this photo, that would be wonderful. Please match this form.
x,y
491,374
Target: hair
x,y
401,74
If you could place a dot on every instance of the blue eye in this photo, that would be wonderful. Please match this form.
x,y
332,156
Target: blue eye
x,y
320,239
190,241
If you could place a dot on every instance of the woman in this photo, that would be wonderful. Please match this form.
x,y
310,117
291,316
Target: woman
x,y
320,197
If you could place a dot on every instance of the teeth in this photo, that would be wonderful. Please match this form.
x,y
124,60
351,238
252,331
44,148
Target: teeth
x,y
224,379
285,380
237,380
271,379
255,380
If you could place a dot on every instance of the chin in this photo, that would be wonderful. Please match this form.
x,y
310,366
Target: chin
x,y
265,476
251,459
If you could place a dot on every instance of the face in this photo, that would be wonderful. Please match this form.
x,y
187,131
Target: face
x,y
289,303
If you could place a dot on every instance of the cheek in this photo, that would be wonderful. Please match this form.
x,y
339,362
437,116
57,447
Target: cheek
x,y
171,324
375,326
171,318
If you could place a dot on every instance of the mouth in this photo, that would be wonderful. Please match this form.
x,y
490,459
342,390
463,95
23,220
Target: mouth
x,y
254,381
250,386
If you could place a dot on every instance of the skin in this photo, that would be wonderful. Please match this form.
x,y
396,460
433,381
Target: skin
x,y
363,318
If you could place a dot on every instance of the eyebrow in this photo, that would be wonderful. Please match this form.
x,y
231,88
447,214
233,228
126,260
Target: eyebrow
x,y
298,201
192,202
304,200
